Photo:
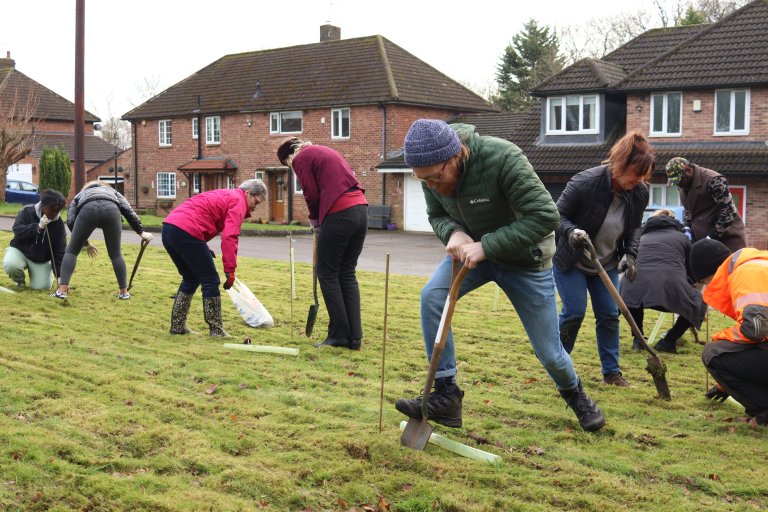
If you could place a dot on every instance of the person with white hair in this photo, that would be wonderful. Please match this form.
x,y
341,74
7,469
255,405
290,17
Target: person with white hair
x,y
186,233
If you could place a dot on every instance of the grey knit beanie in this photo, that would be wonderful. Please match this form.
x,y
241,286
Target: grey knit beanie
x,y
429,142
706,256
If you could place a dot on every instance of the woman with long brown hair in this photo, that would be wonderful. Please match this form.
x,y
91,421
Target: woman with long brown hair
x,y
606,203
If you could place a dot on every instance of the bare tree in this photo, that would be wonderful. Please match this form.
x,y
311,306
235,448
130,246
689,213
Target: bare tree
x,y
17,120
601,36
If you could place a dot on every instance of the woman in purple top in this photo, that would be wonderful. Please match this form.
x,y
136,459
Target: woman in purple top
x,y
338,212
186,231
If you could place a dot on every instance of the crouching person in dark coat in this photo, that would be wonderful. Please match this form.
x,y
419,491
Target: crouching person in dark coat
x,y
36,225
662,281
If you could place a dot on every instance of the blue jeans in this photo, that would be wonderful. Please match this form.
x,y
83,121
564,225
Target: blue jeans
x,y
533,296
572,287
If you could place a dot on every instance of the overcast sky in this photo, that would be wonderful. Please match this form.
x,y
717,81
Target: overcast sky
x,y
128,43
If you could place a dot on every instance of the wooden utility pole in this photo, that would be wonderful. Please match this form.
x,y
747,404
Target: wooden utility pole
x,y
79,97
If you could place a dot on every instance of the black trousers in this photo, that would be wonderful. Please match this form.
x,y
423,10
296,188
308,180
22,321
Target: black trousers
x,y
675,333
339,244
743,373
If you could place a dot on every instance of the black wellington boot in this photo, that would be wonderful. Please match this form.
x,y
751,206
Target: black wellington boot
x,y
666,345
444,404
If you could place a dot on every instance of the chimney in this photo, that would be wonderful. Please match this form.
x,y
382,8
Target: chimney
x,y
329,33
7,62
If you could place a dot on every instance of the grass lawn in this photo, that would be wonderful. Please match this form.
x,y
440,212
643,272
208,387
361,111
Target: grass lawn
x,y
155,221
101,409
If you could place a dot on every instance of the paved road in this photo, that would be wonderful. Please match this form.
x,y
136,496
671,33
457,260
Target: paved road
x,y
410,253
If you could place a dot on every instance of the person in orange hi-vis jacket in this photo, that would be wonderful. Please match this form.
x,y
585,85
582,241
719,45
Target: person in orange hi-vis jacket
x,y
737,357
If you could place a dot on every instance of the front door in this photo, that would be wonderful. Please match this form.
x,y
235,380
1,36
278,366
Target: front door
x,y
277,186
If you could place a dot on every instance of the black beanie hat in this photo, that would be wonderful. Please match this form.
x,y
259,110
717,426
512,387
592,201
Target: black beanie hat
x,y
706,256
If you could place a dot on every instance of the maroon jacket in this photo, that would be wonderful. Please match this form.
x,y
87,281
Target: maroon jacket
x,y
324,176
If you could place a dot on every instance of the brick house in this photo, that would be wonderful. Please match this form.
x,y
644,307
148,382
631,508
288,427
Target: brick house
x,y
53,124
700,92
223,124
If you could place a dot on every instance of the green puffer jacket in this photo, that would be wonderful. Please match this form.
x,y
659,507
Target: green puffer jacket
x,y
499,201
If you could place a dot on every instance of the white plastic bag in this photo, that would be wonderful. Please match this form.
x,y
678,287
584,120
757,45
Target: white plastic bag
x,y
250,308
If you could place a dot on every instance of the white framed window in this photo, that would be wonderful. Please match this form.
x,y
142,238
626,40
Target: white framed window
x,y
296,185
230,181
732,112
195,127
213,130
285,122
196,183
165,133
662,195
666,114
574,114
166,185
259,175
340,123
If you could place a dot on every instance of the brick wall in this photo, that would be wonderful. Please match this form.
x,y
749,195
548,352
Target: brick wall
x,y
254,149
700,126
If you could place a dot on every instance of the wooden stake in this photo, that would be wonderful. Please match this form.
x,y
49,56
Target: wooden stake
x,y
384,342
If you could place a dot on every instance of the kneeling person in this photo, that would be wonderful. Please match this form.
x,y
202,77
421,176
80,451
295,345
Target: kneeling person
x,y
492,212
737,357
30,249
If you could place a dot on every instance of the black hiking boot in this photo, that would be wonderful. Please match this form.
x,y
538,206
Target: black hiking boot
x,y
636,346
666,345
444,404
589,414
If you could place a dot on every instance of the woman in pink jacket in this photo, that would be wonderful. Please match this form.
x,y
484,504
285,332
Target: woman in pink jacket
x,y
185,234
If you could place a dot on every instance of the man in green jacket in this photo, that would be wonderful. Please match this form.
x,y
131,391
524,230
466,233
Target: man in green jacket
x,y
489,208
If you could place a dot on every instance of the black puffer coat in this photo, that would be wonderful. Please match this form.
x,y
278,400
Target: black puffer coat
x,y
662,281
584,204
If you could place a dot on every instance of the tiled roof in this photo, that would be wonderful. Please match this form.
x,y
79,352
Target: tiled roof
x,y
360,71
732,52
728,159
599,74
96,149
649,45
209,164
50,106
586,74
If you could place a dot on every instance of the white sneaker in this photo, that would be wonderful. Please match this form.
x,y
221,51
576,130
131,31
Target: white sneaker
x,y
59,295
124,296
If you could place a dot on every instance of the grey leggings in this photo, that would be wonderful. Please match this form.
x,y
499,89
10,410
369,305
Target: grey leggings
x,y
96,214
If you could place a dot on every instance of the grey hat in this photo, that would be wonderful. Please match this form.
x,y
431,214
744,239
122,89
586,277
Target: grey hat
x,y
429,142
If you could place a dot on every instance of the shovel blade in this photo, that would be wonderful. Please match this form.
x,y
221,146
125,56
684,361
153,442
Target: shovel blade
x,y
416,434
311,317
658,371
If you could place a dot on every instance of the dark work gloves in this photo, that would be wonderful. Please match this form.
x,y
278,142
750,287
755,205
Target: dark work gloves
x,y
629,267
230,280
716,394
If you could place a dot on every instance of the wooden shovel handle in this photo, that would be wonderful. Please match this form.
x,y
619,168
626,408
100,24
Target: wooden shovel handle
x,y
617,298
442,334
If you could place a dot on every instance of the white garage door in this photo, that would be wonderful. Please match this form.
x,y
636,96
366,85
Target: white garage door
x,y
415,206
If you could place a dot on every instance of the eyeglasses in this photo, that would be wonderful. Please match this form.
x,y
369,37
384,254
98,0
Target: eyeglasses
x,y
435,178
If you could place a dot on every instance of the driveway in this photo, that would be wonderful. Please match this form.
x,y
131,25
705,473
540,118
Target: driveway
x,y
410,253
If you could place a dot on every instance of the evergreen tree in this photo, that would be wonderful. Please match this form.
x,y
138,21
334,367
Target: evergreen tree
x,y
532,56
692,16
55,169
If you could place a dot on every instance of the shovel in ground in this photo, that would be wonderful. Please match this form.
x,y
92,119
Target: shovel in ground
x,y
144,244
656,366
312,314
416,433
